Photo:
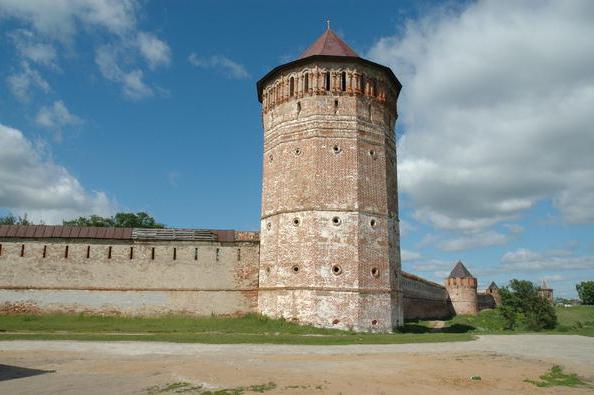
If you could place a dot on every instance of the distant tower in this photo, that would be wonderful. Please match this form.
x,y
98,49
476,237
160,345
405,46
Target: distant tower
x,y
461,287
330,252
493,290
545,292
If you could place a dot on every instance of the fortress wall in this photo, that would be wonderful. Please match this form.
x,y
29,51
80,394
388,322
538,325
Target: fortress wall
x,y
424,299
139,278
486,301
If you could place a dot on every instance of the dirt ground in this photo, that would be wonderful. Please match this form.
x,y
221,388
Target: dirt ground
x,y
501,362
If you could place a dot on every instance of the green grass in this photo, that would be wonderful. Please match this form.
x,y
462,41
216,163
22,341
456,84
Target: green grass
x,y
251,328
183,386
556,377
575,320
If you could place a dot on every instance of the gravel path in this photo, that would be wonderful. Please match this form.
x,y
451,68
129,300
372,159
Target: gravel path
x,y
503,363
577,349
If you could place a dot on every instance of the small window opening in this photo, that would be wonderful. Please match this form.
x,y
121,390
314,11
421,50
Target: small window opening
x,y
372,223
0,249
369,112
88,252
374,322
196,253
238,254
335,322
327,80
270,158
174,253
343,81
109,253
217,254
153,253
131,252
298,108
44,251
306,82
291,86
66,252
336,221
373,154
267,269
375,272
297,151
336,149
295,269
336,270
269,225
22,250
335,106
296,221
362,84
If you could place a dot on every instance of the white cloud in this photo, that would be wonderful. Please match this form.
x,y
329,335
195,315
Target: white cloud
x,y
473,241
60,19
528,260
222,64
24,81
56,117
409,256
154,51
30,48
31,182
497,107
132,82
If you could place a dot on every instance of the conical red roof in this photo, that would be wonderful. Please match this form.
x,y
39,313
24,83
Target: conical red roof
x,y
329,44
460,271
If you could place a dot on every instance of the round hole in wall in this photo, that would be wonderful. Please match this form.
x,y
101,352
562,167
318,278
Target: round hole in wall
x,y
372,223
373,154
336,270
269,225
336,149
295,269
335,322
296,221
297,151
336,221
375,272
374,322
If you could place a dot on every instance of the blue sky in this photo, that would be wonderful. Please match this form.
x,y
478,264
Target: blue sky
x,y
126,106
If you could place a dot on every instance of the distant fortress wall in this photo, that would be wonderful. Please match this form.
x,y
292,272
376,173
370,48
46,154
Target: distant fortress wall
x,y
424,299
128,271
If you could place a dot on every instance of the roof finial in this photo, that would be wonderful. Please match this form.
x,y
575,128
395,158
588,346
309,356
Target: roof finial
x,y
327,24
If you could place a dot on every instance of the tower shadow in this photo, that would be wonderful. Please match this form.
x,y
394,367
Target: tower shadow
x,y
9,372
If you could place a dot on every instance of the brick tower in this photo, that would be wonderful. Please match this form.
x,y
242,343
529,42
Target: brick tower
x,y
330,252
461,287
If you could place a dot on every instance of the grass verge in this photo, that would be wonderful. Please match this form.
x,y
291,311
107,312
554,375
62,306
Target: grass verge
x,y
251,328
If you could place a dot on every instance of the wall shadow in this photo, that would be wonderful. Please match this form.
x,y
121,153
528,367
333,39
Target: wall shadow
x,y
414,327
9,372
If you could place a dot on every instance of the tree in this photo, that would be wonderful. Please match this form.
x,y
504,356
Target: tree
x,y
523,308
10,219
585,291
120,220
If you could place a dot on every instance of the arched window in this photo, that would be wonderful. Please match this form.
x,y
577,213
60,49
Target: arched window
x,y
291,86
327,80
343,81
306,82
362,84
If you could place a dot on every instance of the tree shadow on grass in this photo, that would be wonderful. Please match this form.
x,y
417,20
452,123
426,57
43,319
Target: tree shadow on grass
x,y
9,372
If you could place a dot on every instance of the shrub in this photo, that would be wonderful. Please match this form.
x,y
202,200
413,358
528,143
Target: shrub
x,y
585,291
523,308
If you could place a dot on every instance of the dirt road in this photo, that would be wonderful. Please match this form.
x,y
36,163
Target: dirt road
x,y
501,362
